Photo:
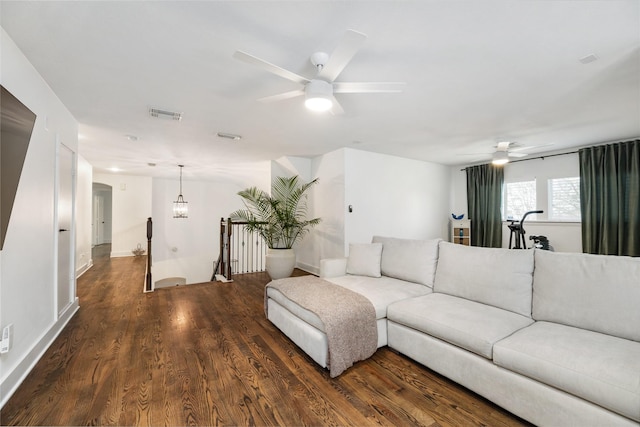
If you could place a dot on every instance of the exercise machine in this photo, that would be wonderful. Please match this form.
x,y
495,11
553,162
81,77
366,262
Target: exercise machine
x,y
541,242
517,231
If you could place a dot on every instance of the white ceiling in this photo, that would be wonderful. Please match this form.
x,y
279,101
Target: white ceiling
x,y
476,72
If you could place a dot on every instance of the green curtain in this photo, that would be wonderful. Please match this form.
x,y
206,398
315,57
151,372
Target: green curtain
x,y
610,198
484,202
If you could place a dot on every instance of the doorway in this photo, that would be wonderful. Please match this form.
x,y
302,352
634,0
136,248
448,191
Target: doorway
x,y
101,215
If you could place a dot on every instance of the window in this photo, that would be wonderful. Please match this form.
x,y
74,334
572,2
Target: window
x,y
564,199
519,198
549,184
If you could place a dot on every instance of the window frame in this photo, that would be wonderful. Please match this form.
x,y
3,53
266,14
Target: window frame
x,y
550,199
543,169
505,200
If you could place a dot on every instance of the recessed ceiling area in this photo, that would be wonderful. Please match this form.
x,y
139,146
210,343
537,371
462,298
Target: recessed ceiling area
x,y
550,75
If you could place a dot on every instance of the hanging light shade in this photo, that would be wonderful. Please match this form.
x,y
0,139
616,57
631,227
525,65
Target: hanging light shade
x,y
180,207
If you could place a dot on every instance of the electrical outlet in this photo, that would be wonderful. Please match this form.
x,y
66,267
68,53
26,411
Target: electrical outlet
x,y
7,338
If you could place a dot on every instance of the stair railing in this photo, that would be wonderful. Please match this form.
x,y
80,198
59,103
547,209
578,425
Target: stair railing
x,y
241,251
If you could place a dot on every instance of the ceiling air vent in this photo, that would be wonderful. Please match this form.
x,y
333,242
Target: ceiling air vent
x,y
164,114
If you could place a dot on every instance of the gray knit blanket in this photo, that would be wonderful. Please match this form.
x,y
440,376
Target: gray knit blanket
x,y
349,318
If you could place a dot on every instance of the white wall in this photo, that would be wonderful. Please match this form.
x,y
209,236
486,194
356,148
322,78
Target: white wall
x,y
394,196
28,269
389,196
563,236
187,247
84,181
130,208
291,166
458,195
326,201
327,239
305,249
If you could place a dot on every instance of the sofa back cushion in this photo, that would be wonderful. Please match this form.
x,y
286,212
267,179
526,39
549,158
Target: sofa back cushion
x,y
498,277
407,259
600,293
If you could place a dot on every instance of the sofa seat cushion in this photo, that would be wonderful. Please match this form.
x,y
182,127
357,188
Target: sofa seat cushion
x,y
473,326
599,368
380,291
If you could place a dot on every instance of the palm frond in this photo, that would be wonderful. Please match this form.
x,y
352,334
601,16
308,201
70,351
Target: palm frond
x,y
280,218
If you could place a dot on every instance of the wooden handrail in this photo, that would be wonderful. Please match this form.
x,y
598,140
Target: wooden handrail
x,y
148,284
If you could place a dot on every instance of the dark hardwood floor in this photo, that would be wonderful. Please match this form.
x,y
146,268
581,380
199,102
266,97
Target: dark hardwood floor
x,y
205,355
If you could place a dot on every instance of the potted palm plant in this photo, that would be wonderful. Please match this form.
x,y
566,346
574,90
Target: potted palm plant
x,y
279,218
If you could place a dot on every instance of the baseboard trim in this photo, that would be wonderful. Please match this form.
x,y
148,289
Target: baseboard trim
x,y
121,254
12,381
308,268
83,269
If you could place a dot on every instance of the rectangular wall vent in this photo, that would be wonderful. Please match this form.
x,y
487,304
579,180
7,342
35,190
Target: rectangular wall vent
x,y
164,114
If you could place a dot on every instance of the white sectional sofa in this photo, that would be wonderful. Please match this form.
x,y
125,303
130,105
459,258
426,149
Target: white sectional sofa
x,y
362,272
552,337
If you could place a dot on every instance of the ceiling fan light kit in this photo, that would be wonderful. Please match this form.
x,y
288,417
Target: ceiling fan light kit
x,y
318,95
500,158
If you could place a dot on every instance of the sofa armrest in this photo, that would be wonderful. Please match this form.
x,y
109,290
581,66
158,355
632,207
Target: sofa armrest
x,y
333,267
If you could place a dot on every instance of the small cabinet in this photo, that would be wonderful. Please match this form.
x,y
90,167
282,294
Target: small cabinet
x,y
461,231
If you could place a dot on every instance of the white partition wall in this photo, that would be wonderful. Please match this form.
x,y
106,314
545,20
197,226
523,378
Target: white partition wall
x,y
361,194
29,257
394,196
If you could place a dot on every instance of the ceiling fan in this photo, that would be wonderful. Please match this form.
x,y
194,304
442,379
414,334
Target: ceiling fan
x,y
502,153
508,149
319,90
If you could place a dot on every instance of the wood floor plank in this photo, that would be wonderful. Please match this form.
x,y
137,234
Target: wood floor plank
x,y
206,355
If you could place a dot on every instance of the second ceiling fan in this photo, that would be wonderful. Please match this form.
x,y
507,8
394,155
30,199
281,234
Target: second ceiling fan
x,y
319,90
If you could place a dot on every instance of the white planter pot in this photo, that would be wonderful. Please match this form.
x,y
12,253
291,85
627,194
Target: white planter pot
x,y
280,263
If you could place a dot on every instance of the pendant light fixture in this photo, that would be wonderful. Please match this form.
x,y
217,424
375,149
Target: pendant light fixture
x,y
180,208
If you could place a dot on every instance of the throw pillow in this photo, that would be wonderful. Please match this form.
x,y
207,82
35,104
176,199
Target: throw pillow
x,y
364,259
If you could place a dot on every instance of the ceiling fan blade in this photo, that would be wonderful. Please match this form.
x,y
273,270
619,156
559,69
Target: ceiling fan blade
x,y
368,87
282,96
349,44
529,147
510,154
274,69
336,109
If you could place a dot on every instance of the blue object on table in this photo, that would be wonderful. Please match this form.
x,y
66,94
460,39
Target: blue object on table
x,y
457,216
